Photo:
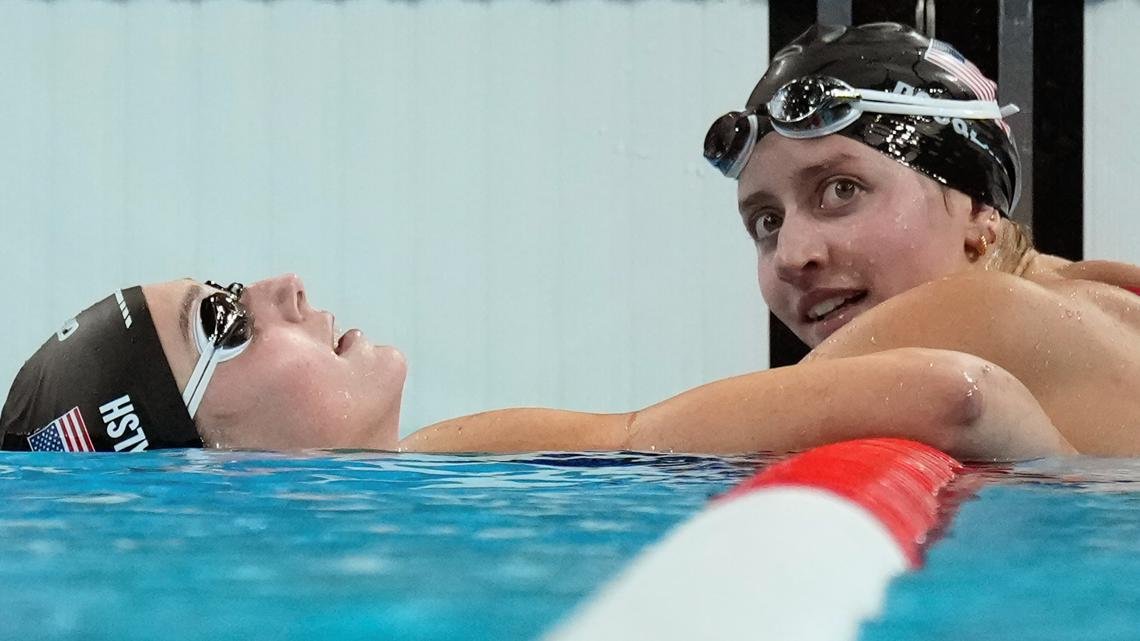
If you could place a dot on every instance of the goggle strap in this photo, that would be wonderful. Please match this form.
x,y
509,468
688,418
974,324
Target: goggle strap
x,y
196,386
971,110
905,99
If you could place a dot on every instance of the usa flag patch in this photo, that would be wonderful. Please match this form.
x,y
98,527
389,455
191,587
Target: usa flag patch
x,y
67,433
947,57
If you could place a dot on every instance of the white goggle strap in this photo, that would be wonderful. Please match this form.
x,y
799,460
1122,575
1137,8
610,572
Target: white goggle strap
x,y
203,372
893,103
211,355
196,386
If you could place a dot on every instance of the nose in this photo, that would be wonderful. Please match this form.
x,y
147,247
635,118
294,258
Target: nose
x,y
284,293
801,250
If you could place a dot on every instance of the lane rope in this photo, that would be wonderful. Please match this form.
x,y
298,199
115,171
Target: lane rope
x,y
803,550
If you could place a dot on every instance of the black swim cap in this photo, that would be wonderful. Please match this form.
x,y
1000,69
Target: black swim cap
x,y
101,383
975,156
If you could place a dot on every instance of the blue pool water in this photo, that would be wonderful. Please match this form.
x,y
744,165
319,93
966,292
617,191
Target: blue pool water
x,y
215,545
208,545
1048,551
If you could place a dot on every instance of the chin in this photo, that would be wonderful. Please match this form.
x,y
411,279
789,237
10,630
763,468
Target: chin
x,y
393,362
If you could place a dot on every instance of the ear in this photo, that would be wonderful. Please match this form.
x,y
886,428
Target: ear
x,y
982,223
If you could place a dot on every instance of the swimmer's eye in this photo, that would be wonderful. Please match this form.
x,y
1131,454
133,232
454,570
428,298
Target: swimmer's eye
x,y
764,224
838,192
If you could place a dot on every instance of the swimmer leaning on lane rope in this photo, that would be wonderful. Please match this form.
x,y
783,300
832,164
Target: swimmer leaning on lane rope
x,y
182,364
880,222
882,244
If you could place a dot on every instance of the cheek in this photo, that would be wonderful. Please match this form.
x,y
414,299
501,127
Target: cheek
x,y
773,290
906,241
766,274
315,387
286,389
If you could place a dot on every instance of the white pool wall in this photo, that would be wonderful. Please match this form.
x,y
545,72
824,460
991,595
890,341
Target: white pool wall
x,y
511,192
1112,130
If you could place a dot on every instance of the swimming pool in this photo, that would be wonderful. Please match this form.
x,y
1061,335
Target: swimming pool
x,y
205,544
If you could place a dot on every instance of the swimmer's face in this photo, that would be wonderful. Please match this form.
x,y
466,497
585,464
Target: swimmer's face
x,y
296,385
838,223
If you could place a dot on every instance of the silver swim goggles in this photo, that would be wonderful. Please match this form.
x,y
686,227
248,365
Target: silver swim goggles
x,y
222,329
816,106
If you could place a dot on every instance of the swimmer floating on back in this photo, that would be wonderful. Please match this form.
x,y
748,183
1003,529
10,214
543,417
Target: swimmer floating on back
x,y
875,176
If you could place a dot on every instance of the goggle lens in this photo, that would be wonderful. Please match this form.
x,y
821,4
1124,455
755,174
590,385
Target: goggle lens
x,y
729,140
797,100
811,107
225,321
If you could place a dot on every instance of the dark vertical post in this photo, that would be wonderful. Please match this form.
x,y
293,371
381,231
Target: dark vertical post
x,y
864,11
1058,127
786,20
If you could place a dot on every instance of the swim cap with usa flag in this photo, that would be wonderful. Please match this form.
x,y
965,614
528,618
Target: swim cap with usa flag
x,y
975,156
101,383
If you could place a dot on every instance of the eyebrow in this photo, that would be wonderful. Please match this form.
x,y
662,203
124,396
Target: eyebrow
x,y
188,299
802,175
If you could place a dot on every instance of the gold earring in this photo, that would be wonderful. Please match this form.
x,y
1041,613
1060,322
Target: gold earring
x,y
985,246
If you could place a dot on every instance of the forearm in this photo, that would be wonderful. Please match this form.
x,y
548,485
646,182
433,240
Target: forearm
x,y
952,401
522,430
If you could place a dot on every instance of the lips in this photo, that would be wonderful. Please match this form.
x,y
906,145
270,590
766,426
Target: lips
x,y
347,341
821,304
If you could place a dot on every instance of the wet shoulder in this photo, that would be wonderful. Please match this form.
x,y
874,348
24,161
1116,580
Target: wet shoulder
x,y
997,316
1112,273
1111,287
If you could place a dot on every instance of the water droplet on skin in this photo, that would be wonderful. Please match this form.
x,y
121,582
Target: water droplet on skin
x,y
973,384
873,340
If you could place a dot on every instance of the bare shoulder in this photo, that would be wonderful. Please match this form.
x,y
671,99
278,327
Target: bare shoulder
x,y
1109,272
1073,342
1108,286
1000,317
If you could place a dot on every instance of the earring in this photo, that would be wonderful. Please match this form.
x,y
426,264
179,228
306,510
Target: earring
x,y
985,246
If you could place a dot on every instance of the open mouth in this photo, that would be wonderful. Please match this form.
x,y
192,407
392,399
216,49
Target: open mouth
x,y
831,307
346,341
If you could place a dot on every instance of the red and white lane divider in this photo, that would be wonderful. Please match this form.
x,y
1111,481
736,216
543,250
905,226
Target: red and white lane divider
x,y
804,550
